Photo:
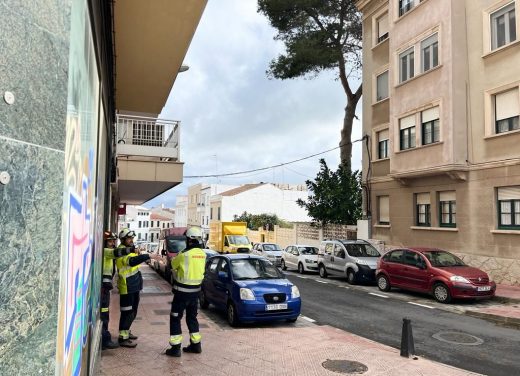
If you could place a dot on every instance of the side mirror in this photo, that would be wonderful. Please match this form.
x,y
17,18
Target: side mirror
x,y
223,276
296,253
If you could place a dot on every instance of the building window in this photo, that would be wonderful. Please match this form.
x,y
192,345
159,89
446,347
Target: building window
x,y
384,210
503,26
405,6
430,126
406,64
407,132
139,224
151,237
218,213
423,209
430,53
509,208
447,209
382,144
507,111
382,28
211,213
382,86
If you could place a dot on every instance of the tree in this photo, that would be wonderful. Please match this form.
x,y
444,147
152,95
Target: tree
x,y
319,35
256,221
335,196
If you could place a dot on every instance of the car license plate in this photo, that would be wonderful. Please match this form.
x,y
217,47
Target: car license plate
x,y
275,307
484,288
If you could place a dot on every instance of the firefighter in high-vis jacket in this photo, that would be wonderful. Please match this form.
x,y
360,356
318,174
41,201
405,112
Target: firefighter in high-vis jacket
x,y
130,284
188,272
110,253
109,240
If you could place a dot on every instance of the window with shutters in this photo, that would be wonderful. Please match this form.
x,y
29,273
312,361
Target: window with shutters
x,y
407,132
382,28
430,53
447,209
503,26
382,86
383,210
430,126
382,144
509,207
406,65
422,204
507,111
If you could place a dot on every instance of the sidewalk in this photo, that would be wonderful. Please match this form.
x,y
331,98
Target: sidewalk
x,y
270,349
509,293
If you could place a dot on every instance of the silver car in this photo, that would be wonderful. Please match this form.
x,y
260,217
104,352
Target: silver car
x,y
355,260
270,251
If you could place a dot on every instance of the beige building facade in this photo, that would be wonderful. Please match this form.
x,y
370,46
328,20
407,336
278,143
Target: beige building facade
x,y
441,106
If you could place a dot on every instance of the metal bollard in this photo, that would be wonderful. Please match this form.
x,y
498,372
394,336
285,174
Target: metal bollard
x,y
407,345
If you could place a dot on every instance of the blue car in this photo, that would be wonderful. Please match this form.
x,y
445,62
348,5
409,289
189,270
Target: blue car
x,y
250,288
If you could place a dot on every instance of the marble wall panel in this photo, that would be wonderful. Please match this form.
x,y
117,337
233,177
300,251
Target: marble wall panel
x,y
30,238
34,56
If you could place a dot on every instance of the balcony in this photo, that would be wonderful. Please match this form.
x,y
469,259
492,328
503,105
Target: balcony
x,y
147,152
141,136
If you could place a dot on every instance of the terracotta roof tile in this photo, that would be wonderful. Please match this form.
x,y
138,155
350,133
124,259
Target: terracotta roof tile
x,y
243,188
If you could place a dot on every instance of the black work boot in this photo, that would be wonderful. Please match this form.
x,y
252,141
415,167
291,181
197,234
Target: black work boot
x,y
174,350
109,345
131,336
194,348
126,343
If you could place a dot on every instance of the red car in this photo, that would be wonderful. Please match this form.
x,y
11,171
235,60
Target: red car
x,y
433,271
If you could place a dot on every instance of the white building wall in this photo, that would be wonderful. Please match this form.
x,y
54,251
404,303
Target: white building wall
x,y
266,199
181,211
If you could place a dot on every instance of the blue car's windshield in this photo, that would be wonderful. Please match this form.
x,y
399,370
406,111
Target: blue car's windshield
x,y
254,269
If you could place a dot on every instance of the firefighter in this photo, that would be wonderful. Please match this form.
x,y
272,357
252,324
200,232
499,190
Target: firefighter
x,y
130,284
188,270
109,240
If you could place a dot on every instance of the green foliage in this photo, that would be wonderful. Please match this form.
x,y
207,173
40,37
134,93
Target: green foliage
x,y
317,35
256,221
335,197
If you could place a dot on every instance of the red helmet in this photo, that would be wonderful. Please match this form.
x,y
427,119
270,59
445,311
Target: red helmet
x,y
109,235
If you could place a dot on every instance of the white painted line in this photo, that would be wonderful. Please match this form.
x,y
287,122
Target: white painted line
x,y
317,280
307,318
380,295
421,305
345,287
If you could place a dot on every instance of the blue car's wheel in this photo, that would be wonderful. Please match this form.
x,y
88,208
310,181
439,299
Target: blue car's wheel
x,y
232,314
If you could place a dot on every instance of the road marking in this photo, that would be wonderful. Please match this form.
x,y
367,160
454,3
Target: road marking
x,y
381,296
307,318
421,305
317,280
345,287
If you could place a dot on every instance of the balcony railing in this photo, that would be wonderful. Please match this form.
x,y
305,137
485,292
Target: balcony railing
x,y
147,137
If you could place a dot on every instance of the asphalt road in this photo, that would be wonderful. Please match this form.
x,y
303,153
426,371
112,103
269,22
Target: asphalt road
x,y
380,318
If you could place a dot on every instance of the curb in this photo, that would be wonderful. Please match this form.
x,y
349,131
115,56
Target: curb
x,y
505,299
510,322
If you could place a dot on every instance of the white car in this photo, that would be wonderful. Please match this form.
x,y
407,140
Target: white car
x,y
301,257
270,251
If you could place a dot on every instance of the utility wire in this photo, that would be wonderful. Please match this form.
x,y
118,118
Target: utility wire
x,y
270,167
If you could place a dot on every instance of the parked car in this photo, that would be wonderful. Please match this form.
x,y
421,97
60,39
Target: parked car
x,y
250,288
271,251
301,257
433,271
354,259
169,248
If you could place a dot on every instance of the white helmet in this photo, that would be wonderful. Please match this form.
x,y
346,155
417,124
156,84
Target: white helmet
x,y
126,233
194,233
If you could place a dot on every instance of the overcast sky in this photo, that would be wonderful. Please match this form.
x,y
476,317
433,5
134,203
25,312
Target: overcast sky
x,y
233,118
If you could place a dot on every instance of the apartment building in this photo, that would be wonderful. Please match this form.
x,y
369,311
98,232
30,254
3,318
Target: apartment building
x,y
146,223
181,211
199,203
441,108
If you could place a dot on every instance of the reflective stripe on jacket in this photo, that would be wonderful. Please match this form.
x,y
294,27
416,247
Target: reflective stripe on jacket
x,y
189,266
130,279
